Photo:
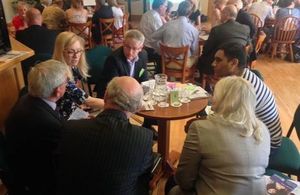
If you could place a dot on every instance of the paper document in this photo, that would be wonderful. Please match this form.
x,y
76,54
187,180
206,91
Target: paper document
x,y
78,114
89,3
11,55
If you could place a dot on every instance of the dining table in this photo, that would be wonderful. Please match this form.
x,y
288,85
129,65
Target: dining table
x,y
163,116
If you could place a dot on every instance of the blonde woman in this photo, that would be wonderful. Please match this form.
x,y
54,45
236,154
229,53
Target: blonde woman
x,y
227,153
77,13
69,49
117,13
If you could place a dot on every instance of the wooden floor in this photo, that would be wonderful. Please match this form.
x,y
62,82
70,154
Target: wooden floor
x,y
282,77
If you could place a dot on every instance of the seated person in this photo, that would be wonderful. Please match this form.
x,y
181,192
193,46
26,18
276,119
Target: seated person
x,y
54,17
262,9
219,5
33,130
102,11
228,152
36,37
19,21
42,4
172,36
195,15
77,13
287,8
69,49
231,31
117,13
128,60
110,155
150,22
230,59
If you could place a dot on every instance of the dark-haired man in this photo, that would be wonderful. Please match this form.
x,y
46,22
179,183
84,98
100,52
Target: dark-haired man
x,y
230,59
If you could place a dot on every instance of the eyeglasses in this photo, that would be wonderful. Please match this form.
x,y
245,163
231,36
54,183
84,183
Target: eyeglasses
x,y
132,48
72,52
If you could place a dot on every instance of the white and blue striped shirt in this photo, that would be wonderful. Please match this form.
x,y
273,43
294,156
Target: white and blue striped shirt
x,y
266,109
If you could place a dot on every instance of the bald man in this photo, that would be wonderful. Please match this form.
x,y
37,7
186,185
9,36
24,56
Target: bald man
x,y
243,17
229,31
107,154
36,37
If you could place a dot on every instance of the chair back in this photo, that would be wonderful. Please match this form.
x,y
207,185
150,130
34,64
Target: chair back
x,y
96,58
296,123
285,30
107,29
119,34
256,21
83,30
174,63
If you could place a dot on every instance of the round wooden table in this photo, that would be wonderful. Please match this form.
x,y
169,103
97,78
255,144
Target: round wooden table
x,y
165,115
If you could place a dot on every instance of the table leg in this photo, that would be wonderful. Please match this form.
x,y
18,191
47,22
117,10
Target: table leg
x,y
164,140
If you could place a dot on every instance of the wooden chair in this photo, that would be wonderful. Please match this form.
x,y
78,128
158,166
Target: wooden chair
x,y
284,33
119,34
287,158
107,31
257,21
83,30
177,56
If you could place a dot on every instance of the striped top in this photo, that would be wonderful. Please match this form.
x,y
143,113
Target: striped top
x,y
266,109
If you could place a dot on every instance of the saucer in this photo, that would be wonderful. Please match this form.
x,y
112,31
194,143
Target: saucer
x,y
163,104
185,100
176,104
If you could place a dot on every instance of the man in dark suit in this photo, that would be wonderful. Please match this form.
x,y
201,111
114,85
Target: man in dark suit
x,y
33,129
229,31
42,4
128,60
38,38
107,154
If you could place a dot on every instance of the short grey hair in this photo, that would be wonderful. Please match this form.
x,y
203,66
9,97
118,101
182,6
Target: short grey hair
x,y
184,8
45,77
136,35
120,98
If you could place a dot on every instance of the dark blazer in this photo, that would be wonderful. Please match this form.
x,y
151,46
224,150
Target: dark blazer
x,y
38,38
41,40
105,155
116,65
244,18
103,12
33,130
228,32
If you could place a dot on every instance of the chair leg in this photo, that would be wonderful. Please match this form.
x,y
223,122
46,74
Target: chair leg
x,y
291,52
274,49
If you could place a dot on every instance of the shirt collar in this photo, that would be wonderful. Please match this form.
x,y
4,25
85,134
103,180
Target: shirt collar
x,y
51,104
133,61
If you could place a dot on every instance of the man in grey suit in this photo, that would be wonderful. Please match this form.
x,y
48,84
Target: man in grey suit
x,y
229,31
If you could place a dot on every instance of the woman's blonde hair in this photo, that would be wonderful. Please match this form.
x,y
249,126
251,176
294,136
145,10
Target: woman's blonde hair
x,y
112,3
65,40
234,102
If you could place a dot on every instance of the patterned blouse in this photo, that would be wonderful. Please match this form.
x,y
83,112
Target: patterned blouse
x,y
73,96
